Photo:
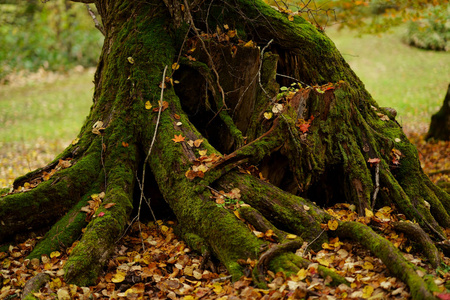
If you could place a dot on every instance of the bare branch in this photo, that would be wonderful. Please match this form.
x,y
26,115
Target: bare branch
x,y
97,23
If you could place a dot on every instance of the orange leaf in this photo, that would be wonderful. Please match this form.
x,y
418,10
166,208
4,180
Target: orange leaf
x,y
304,127
125,144
373,160
109,205
178,138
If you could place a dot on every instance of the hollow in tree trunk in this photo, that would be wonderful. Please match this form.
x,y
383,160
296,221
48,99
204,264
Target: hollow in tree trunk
x,y
244,87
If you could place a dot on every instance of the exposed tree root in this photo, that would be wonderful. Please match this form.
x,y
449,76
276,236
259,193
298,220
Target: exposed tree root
x,y
418,235
391,256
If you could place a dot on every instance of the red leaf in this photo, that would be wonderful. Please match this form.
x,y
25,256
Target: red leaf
x,y
304,127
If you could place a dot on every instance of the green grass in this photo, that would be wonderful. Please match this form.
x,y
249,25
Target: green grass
x,y
411,80
39,120
49,111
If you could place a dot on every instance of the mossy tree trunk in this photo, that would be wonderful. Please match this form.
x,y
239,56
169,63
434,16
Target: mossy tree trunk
x,y
440,121
314,151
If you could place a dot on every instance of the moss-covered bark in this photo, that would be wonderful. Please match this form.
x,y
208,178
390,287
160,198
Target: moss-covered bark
x,y
326,144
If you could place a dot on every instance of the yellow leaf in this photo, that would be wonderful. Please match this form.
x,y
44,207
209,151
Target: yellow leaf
x,y
291,236
302,274
75,141
217,288
55,283
175,66
164,228
368,265
291,18
202,152
118,277
231,33
369,213
236,213
367,291
55,254
130,60
333,224
268,115
325,261
148,105
249,44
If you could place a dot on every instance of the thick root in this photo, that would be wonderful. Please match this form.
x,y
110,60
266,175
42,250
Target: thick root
x,y
391,256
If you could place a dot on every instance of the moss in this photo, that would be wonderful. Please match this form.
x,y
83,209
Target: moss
x,y
64,232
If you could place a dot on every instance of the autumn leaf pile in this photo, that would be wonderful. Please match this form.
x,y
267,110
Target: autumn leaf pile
x,y
150,262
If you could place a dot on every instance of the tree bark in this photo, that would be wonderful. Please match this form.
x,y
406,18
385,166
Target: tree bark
x,y
440,121
327,142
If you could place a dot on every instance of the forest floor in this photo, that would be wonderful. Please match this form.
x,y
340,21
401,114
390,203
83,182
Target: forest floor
x,y
167,269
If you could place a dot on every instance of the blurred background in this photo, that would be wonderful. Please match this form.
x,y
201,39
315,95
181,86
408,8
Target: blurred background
x,y
49,51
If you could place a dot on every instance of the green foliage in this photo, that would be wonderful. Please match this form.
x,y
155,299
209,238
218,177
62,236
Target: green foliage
x,y
370,16
431,30
56,36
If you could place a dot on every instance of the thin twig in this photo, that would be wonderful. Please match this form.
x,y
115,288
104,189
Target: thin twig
x,y
103,162
377,184
260,66
310,243
96,22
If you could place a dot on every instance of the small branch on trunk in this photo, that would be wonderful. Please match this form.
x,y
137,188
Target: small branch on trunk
x,y
377,185
96,22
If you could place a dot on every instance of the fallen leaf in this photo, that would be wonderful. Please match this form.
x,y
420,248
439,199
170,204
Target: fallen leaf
x,y
125,144
118,277
130,60
148,105
333,224
175,66
373,160
109,205
268,115
178,138
304,127
198,142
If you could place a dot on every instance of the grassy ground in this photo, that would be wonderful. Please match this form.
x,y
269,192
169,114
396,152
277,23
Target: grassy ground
x,y
412,81
39,118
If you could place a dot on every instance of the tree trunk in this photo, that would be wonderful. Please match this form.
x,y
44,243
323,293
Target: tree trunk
x,y
327,141
440,121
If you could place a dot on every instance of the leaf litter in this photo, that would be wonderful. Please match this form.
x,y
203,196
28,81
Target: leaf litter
x,y
168,269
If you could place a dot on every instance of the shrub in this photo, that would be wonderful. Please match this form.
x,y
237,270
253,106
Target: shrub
x,y
57,35
431,30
